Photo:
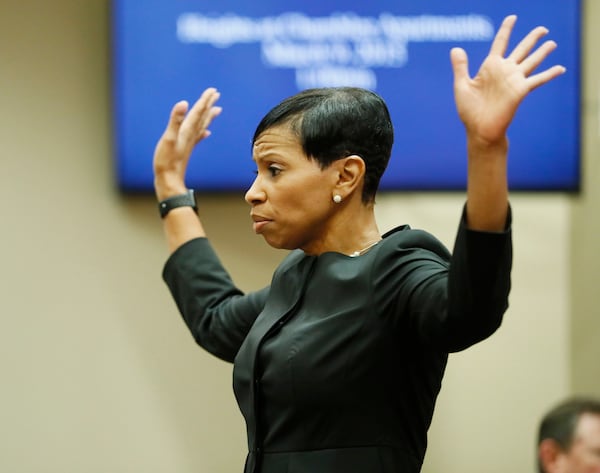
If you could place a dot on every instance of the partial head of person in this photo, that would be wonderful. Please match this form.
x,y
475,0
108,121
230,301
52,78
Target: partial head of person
x,y
569,437
317,152
334,123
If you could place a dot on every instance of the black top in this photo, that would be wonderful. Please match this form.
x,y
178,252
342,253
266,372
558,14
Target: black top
x,y
339,362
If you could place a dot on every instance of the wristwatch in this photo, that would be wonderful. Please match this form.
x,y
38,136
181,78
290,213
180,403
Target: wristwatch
x,y
182,200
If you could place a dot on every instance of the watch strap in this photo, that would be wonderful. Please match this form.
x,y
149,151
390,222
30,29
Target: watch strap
x,y
182,200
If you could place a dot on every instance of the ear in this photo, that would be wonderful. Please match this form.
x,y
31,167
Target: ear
x,y
551,456
350,172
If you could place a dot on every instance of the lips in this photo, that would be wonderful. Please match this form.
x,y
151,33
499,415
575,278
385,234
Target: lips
x,y
259,222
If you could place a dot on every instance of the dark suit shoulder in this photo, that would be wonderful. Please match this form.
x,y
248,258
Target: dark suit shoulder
x,y
406,238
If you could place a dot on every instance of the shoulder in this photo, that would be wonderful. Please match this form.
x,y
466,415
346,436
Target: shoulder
x,y
404,239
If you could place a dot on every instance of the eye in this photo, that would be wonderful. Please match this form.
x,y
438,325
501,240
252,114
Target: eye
x,y
274,170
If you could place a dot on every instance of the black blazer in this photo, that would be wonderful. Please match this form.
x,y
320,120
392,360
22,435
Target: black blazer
x,y
337,365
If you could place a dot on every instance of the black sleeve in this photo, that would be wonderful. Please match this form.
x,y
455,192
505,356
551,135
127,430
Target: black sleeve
x,y
216,312
478,284
449,302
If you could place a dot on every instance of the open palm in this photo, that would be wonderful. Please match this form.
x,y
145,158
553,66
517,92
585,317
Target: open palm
x,y
184,131
487,102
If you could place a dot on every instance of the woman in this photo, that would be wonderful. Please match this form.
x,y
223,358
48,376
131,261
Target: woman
x,y
338,363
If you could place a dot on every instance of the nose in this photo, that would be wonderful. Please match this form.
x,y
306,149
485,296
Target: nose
x,y
255,195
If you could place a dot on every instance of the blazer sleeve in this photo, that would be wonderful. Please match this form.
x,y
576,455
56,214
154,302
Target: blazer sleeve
x,y
216,312
478,284
451,302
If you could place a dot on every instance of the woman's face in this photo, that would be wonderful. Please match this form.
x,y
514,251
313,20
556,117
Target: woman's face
x,y
291,197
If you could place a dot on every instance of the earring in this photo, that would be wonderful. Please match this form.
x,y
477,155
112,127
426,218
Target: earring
x,y
337,198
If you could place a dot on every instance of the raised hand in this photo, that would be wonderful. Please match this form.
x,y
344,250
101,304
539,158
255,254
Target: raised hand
x,y
487,102
184,131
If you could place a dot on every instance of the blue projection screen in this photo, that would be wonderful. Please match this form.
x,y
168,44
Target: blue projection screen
x,y
257,53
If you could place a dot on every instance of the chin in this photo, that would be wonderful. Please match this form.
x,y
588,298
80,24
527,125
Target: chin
x,y
278,244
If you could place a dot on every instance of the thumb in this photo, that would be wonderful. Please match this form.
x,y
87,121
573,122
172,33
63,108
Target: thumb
x,y
177,115
460,64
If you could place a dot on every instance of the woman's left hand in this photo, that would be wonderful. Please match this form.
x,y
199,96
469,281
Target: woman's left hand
x,y
487,102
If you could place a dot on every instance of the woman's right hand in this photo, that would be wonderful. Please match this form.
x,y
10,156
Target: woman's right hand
x,y
184,131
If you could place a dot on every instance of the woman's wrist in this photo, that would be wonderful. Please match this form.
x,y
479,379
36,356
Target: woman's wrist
x,y
487,184
168,186
479,145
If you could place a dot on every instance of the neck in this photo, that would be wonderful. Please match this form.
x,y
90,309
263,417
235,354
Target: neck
x,y
352,232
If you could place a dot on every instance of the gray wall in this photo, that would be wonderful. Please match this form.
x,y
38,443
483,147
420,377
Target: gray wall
x,y
97,371
585,224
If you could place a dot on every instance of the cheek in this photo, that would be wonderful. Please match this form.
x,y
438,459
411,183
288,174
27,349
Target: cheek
x,y
585,462
306,203
299,220
594,466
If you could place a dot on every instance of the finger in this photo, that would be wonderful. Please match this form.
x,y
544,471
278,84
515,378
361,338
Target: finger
x,y
209,117
196,119
536,58
203,106
541,78
527,43
205,132
175,119
460,64
502,37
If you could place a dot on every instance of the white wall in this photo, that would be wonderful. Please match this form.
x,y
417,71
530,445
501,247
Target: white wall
x,y
97,371
585,224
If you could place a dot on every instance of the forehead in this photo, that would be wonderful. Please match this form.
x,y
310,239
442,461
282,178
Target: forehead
x,y
588,429
276,139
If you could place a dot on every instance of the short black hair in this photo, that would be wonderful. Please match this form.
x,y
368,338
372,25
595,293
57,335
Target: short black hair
x,y
334,122
560,422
